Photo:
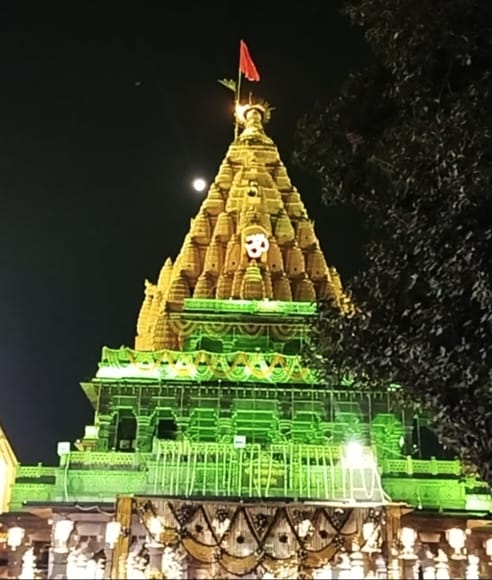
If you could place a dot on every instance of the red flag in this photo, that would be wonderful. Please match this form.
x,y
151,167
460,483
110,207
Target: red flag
x,y
246,64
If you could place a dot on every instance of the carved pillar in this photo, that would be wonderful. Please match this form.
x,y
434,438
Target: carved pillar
x,y
427,563
156,550
108,562
182,424
382,569
390,536
111,536
442,565
473,567
58,568
144,434
410,569
60,534
124,510
28,564
457,568
14,561
103,440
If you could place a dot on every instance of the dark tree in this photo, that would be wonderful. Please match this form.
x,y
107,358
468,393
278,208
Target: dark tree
x,y
408,145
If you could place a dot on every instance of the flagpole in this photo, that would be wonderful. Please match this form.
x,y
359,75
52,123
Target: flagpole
x,y
238,96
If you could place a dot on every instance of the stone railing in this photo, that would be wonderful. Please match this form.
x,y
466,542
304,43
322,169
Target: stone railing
x,y
36,471
409,466
112,460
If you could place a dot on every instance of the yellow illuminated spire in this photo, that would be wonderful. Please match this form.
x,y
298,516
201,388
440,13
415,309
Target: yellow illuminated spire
x,y
250,240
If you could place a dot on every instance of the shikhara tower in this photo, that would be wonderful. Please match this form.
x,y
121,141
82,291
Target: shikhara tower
x,y
228,457
251,240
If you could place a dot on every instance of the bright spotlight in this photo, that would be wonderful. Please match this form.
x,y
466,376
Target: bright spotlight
x,y
354,453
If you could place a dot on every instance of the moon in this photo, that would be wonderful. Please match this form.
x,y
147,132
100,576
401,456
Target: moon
x,y
199,184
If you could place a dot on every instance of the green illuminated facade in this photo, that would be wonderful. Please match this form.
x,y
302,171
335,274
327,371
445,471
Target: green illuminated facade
x,y
216,453
215,401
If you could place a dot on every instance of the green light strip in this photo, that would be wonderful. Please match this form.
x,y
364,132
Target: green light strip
x,y
275,307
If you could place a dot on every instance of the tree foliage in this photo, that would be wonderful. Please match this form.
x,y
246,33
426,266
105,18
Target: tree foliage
x,y
408,144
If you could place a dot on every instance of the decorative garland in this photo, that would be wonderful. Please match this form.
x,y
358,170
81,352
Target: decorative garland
x,y
203,365
244,538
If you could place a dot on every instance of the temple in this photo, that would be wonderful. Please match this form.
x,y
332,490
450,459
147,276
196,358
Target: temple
x,y
215,452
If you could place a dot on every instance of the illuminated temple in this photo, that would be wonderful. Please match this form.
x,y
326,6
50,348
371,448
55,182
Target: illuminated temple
x,y
215,452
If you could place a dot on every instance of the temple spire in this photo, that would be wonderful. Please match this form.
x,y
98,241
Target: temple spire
x,y
251,239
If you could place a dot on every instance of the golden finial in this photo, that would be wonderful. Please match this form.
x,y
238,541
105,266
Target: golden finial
x,y
260,105
253,117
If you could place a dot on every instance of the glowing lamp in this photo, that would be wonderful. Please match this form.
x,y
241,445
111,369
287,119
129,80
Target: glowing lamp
x,y
456,539
370,536
408,537
63,529
155,527
113,530
353,454
15,537
62,448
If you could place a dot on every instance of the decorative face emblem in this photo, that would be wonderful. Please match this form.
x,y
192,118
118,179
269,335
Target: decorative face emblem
x,y
256,245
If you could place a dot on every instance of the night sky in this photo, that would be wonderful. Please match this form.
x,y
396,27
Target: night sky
x,y
106,115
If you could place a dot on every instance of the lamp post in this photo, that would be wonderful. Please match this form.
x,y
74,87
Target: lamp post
x,y
408,537
15,541
456,538
60,534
